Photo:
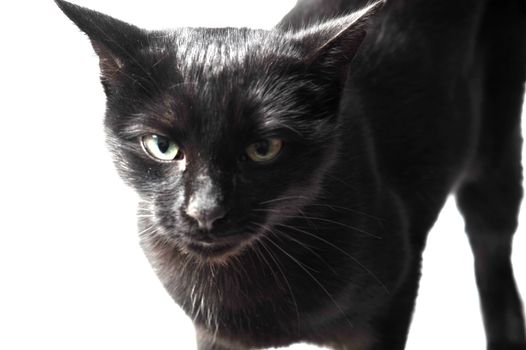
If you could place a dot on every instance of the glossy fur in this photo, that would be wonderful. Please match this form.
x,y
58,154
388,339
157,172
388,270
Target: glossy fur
x,y
383,114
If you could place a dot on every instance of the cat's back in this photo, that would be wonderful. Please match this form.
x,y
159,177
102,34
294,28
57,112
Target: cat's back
x,y
418,80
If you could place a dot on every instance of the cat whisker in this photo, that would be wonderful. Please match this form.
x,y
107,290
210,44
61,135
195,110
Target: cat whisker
x,y
285,279
283,199
148,230
261,257
372,274
237,265
193,300
328,206
278,234
306,270
352,210
354,228
303,245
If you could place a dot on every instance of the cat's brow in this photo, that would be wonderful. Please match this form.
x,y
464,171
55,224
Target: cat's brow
x,y
143,123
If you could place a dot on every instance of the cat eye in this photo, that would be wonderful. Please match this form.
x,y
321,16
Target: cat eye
x,y
264,150
161,148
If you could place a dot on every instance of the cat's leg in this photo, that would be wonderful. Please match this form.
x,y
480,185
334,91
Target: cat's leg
x,y
490,197
489,201
490,206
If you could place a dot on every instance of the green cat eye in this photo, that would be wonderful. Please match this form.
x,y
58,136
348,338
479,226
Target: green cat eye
x,y
264,150
161,148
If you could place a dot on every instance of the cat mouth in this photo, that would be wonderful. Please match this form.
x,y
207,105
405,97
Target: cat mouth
x,y
215,248
211,250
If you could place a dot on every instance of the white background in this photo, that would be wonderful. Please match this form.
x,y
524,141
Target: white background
x,y
72,275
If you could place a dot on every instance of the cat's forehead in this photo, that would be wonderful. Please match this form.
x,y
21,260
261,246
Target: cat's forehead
x,y
230,72
216,49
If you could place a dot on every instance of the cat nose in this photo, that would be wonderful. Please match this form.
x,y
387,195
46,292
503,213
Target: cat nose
x,y
206,217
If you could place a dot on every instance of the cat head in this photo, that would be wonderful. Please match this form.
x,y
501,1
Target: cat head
x,y
223,132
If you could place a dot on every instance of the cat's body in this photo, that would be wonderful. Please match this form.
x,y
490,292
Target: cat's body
x,y
322,241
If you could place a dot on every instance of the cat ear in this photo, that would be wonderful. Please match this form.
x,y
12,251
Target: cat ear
x,y
114,41
335,43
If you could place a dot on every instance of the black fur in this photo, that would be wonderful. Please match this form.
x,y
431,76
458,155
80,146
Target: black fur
x,y
322,244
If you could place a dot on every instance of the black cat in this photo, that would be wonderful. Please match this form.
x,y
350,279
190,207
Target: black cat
x,y
289,177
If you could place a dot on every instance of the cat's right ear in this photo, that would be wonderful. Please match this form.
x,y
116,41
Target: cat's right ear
x,y
114,41
332,45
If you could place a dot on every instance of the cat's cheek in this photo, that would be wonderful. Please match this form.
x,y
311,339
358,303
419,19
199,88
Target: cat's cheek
x,y
130,173
168,199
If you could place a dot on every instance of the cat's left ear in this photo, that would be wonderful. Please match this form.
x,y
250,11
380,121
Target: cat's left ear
x,y
114,41
335,43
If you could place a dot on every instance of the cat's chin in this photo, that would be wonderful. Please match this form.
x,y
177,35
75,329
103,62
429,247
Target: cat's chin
x,y
219,250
